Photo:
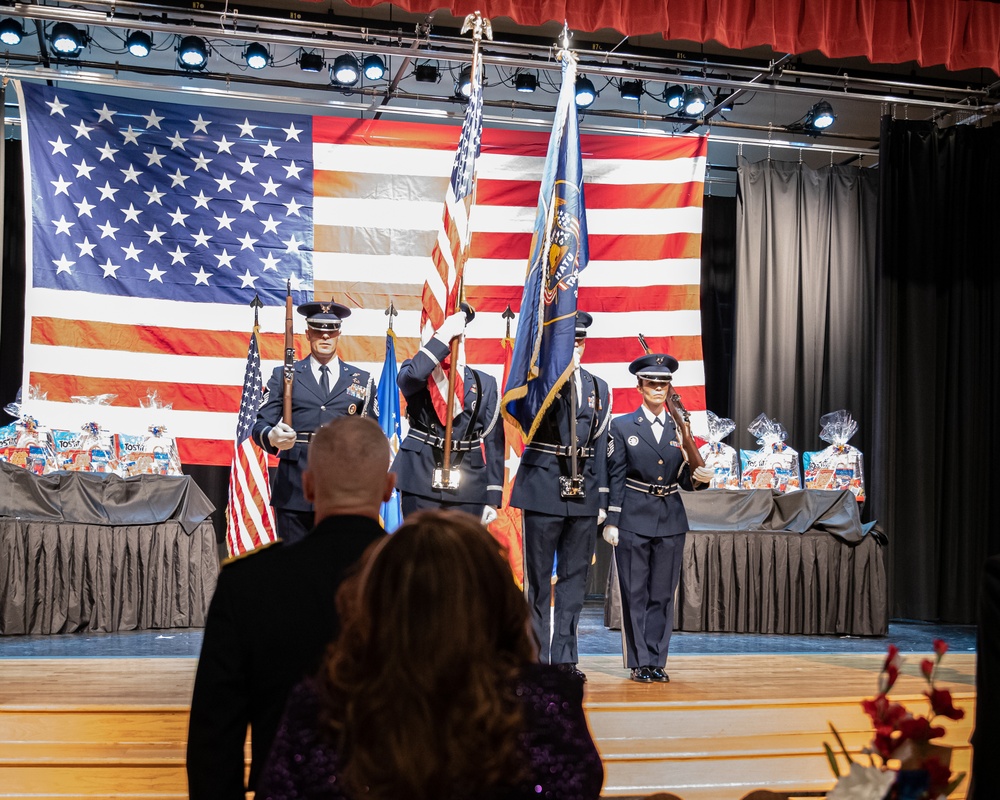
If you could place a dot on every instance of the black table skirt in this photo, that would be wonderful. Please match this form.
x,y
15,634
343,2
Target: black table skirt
x,y
775,582
66,577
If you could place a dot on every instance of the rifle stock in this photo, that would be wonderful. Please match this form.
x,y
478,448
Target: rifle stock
x,y
682,421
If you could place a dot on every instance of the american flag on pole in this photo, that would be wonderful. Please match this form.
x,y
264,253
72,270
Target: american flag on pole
x,y
443,286
357,223
249,519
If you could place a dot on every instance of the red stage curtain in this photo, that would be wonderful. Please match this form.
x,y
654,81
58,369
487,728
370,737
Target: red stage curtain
x,y
960,34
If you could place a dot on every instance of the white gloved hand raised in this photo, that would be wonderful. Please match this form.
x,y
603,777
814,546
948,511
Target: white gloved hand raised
x,y
282,437
489,514
601,516
451,327
703,474
611,535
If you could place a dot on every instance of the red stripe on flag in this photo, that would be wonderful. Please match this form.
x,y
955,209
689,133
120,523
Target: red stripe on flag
x,y
627,398
128,393
613,350
214,452
603,247
598,195
683,297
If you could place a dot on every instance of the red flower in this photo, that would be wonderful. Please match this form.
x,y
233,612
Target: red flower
x,y
919,729
927,667
882,712
941,704
938,773
940,647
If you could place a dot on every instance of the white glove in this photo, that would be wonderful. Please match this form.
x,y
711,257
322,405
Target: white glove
x,y
452,326
489,514
703,474
282,437
601,516
577,357
611,535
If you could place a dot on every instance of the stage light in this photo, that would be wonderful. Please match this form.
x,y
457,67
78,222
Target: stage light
x,y
192,53
345,70
66,39
630,90
427,73
256,56
724,100
526,81
463,86
139,44
694,102
373,67
586,94
311,62
673,96
11,32
820,117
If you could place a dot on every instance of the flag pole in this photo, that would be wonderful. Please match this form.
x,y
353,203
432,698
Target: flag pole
x,y
479,27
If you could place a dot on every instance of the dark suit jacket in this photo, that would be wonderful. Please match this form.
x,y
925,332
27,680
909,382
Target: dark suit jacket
x,y
268,625
633,452
353,392
536,487
482,467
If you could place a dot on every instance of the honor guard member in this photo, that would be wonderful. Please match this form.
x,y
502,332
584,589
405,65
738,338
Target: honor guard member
x,y
323,387
646,522
477,445
560,516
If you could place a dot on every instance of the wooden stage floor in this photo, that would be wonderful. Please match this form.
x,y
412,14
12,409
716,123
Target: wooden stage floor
x,y
725,724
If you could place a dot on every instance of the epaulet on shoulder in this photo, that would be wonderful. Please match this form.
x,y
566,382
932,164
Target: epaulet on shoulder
x,y
258,549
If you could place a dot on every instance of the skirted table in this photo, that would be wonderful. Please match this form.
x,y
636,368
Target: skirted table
x,y
756,561
89,552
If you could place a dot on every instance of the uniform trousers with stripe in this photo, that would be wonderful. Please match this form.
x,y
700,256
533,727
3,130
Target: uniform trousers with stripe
x,y
570,542
649,569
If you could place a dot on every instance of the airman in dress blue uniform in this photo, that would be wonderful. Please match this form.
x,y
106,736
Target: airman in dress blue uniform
x,y
557,527
477,445
324,387
646,520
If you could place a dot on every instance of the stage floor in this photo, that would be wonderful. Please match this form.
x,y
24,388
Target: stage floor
x,y
595,640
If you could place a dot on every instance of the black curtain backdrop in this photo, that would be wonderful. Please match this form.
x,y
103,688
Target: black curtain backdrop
x,y
12,311
718,300
937,389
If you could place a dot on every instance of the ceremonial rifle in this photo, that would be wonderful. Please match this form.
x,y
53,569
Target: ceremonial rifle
x,y
289,371
681,418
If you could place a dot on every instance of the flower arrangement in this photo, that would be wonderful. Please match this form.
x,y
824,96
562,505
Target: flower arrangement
x,y
923,771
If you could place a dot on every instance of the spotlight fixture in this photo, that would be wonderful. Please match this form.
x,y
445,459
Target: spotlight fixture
x,y
820,117
586,94
526,81
256,56
694,102
345,70
427,73
139,44
192,53
11,32
463,86
724,100
66,39
373,67
673,96
311,62
630,90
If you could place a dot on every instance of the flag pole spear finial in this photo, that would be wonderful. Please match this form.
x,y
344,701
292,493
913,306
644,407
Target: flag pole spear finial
x,y
508,315
391,312
256,304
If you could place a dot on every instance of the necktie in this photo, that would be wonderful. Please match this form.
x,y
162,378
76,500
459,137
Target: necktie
x,y
324,379
658,421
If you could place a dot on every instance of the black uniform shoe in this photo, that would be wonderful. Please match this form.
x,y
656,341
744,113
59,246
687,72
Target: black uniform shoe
x,y
571,669
641,674
657,674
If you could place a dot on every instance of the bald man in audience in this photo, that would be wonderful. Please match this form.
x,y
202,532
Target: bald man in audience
x,y
273,611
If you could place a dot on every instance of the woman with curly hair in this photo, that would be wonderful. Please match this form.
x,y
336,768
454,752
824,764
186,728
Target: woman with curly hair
x,y
433,690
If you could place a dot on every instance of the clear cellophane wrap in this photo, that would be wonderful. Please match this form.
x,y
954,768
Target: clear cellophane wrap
x,y
722,459
91,449
775,465
839,466
27,444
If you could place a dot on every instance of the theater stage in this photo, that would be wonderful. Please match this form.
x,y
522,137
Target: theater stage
x,y
96,715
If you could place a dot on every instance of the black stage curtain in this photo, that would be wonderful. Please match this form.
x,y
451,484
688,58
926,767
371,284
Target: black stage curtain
x,y
12,315
937,390
805,245
718,296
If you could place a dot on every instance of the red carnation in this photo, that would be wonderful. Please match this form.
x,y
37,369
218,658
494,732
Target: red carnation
x,y
919,729
941,704
940,647
927,667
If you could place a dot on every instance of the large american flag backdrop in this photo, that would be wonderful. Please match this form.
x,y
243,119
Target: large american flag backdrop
x,y
152,225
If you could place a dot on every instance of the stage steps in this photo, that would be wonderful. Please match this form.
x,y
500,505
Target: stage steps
x,y
91,728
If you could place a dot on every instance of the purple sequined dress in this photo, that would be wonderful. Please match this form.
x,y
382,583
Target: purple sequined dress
x,y
564,763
